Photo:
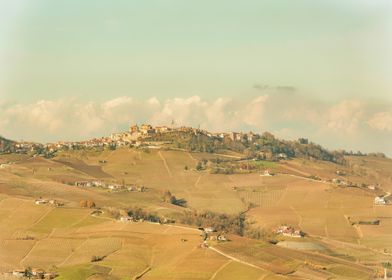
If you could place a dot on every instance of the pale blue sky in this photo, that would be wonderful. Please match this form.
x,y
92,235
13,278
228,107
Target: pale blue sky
x,y
100,49
213,55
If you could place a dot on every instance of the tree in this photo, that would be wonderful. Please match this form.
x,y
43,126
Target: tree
x,y
199,166
303,140
28,272
90,203
83,203
186,167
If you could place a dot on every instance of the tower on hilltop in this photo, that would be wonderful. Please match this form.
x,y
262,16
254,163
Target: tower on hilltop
x,y
133,128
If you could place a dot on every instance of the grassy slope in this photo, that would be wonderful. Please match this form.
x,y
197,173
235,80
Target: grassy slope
x,y
317,208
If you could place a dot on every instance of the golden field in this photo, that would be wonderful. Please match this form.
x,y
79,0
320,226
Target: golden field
x,y
66,238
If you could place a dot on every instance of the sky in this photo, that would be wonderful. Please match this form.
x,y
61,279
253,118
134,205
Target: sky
x,y
71,70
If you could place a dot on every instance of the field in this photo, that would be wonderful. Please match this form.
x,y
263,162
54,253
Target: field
x,y
67,239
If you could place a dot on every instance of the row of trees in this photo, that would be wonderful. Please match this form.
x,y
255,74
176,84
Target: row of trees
x,y
229,223
221,222
266,146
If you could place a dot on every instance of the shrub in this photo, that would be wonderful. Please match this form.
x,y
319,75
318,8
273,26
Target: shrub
x,y
83,203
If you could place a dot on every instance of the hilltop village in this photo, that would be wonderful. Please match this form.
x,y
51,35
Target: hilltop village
x,y
135,136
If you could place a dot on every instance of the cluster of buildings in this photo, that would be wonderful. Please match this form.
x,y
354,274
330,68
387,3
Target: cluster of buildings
x,y
134,136
52,202
111,186
136,133
210,233
34,273
289,231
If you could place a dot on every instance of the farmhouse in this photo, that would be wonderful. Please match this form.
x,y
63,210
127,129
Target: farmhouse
x,y
379,200
41,201
38,273
209,229
82,184
114,187
126,219
217,237
3,165
147,129
19,272
289,231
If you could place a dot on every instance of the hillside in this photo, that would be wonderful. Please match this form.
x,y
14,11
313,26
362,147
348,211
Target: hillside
x,y
246,205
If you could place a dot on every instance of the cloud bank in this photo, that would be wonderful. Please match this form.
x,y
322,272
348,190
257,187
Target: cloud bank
x,y
351,124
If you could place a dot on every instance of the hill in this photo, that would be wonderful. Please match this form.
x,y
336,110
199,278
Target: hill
x,y
246,206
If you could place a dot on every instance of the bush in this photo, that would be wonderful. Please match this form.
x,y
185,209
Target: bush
x,y
83,203
90,204
169,198
97,258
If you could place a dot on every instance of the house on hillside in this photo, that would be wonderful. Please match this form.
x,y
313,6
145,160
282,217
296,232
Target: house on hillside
x,y
19,273
126,219
209,229
81,183
41,201
289,231
282,156
38,273
115,187
267,172
379,200
162,129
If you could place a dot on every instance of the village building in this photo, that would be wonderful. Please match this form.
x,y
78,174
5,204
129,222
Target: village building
x,y
147,129
267,172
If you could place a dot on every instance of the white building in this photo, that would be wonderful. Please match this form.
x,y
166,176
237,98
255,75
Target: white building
x,y
126,219
379,200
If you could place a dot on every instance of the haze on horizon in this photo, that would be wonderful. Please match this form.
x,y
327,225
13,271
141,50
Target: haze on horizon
x,y
316,69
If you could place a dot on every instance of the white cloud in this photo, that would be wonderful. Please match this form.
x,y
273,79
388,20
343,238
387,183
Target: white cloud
x,y
381,121
345,116
341,124
253,112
